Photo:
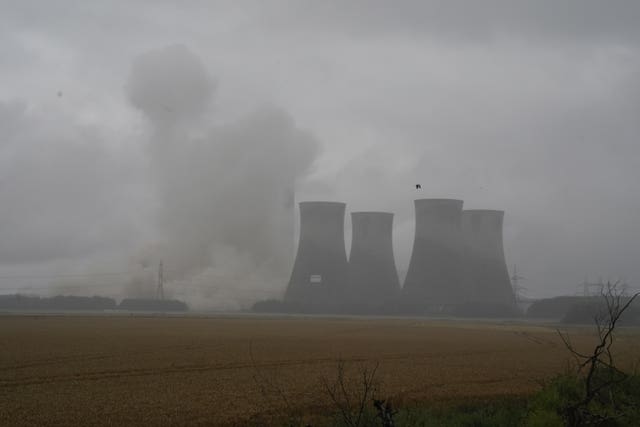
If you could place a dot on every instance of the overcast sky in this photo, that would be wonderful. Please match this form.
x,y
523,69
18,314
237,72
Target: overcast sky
x,y
532,107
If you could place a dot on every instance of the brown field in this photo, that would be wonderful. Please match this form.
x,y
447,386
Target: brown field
x,y
123,370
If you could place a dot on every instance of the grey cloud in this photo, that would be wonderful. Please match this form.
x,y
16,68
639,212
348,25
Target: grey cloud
x,y
63,194
470,21
170,85
530,106
548,21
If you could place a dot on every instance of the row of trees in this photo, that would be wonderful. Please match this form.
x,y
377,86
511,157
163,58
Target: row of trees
x,y
64,302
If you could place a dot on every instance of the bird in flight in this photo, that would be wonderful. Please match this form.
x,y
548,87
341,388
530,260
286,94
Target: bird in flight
x,y
418,187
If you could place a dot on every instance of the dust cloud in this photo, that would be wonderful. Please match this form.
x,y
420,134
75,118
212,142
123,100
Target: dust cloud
x,y
224,194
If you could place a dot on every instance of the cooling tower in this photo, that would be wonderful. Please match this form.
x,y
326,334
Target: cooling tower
x,y
435,277
319,275
373,278
487,268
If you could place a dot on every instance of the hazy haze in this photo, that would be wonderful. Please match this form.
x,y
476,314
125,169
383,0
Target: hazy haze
x,y
133,131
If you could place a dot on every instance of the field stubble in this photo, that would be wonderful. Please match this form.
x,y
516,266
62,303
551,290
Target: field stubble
x,y
100,370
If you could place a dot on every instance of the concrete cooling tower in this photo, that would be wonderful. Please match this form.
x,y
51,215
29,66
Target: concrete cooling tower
x,y
435,277
373,278
319,275
487,268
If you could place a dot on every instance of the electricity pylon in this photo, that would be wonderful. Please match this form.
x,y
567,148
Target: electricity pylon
x,y
515,284
160,291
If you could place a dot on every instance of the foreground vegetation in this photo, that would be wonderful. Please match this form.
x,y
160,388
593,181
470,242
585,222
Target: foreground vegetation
x,y
547,408
595,392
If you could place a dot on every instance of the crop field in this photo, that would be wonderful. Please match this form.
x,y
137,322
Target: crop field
x,y
135,370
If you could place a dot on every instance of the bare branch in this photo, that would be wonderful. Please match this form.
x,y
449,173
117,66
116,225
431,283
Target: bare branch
x,y
350,398
600,357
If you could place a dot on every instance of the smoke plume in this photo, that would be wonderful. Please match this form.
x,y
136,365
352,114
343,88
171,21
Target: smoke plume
x,y
225,193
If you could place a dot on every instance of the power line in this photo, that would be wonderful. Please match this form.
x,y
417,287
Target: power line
x,y
63,276
518,290
62,287
160,282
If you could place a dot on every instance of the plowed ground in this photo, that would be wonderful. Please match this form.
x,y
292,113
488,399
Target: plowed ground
x,y
126,370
